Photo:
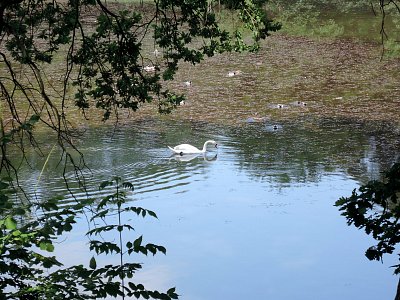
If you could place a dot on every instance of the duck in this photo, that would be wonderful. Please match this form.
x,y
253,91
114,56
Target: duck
x,y
233,73
301,103
149,68
189,149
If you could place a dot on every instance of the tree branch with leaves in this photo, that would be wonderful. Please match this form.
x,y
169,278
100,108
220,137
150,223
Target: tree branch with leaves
x,y
91,54
376,209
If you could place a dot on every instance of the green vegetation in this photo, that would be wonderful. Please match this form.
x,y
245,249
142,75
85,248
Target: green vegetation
x,y
92,55
105,63
100,51
361,20
28,232
376,209
304,18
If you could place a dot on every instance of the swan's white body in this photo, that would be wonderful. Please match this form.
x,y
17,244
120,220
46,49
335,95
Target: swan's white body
x,y
189,149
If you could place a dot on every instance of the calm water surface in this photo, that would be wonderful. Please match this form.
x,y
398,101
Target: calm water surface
x,y
253,220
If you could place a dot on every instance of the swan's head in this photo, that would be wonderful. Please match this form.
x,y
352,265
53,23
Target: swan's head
x,y
212,142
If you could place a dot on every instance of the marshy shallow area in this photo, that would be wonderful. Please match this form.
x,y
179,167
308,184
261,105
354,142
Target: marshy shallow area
x,y
295,79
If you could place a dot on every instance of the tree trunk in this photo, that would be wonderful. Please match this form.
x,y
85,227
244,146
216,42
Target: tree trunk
x,y
398,291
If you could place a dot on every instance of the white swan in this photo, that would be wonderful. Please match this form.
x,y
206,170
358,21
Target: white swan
x,y
189,149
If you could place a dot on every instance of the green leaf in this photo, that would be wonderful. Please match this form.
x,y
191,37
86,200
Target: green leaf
x,y
105,184
162,249
43,245
50,247
138,242
19,211
33,119
46,246
171,291
10,223
3,185
152,213
92,263
16,233
128,185
49,262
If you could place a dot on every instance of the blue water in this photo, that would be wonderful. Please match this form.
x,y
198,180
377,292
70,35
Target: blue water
x,y
254,220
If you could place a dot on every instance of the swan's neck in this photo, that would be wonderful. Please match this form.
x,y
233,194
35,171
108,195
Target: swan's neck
x,y
205,147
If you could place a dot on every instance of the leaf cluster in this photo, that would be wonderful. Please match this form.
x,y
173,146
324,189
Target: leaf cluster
x,y
94,54
28,232
376,209
105,59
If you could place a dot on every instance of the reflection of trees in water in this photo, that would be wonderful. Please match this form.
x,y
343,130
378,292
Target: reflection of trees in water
x,y
296,153
136,153
303,153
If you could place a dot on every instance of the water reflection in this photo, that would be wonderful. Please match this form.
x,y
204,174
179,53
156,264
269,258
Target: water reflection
x,y
260,213
189,157
287,154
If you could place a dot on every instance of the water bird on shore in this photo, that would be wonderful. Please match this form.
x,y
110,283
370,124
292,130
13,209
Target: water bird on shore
x,y
187,83
189,149
233,73
149,68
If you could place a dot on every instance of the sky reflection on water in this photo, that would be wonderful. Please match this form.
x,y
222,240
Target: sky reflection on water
x,y
229,237
256,221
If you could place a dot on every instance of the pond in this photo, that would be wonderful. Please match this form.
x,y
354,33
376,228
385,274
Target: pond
x,y
299,124
253,219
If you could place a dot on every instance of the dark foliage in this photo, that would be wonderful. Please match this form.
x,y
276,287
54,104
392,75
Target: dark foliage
x,y
376,209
